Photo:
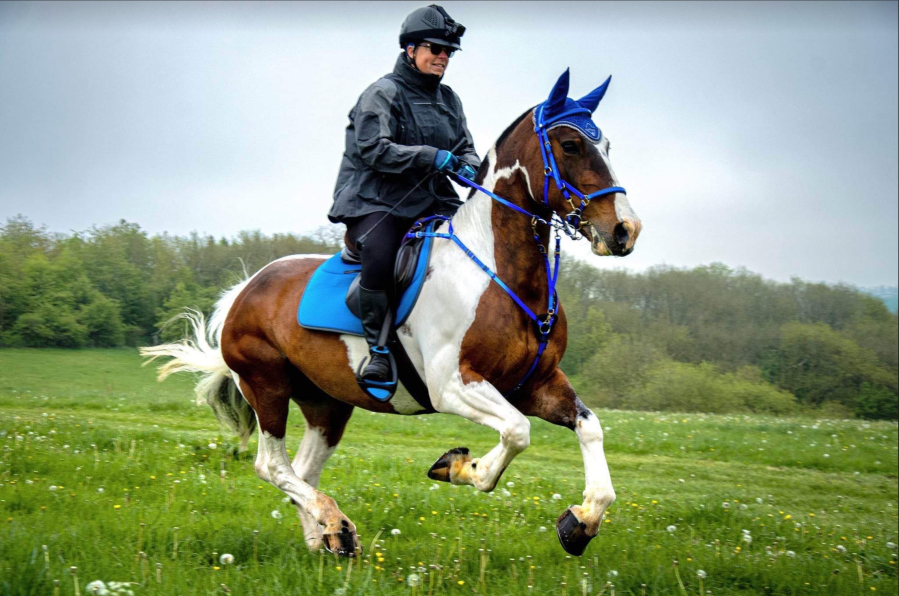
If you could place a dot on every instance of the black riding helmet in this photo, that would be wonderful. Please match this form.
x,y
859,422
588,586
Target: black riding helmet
x,y
431,24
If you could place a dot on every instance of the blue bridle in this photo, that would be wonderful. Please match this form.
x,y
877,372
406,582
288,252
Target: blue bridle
x,y
543,323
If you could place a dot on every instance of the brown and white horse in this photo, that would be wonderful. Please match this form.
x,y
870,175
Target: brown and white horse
x,y
468,340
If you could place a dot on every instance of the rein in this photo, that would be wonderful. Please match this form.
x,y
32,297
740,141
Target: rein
x,y
569,224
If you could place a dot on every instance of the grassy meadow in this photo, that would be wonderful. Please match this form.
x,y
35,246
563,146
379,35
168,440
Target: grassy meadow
x,y
105,470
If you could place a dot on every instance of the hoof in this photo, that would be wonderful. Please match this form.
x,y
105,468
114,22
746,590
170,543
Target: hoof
x,y
572,533
444,465
344,543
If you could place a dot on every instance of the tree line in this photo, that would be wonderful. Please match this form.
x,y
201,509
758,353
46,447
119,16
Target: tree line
x,y
711,338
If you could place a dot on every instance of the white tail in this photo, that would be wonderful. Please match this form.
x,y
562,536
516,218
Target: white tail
x,y
200,352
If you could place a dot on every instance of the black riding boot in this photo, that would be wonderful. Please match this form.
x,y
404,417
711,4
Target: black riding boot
x,y
374,306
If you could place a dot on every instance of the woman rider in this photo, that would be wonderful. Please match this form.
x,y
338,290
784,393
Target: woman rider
x,y
404,127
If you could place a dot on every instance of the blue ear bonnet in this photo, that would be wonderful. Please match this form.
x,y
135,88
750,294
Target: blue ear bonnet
x,y
561,110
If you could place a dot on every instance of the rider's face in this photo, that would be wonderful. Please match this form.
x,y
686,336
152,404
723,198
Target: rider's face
x,y
427,62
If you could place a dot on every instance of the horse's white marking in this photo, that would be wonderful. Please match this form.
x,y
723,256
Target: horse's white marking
x,y
445,311
623,210
599,493
357,351
273,466
308,464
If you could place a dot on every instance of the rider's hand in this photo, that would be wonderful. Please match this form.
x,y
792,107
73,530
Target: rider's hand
x,y
466,171
445,161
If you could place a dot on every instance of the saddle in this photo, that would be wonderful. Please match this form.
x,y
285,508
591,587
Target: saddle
x,y
331,301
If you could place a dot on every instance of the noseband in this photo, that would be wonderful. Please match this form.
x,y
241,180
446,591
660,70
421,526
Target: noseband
x,y
569,224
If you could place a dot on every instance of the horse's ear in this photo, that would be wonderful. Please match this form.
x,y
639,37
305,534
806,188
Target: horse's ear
x,y
557,96
592,99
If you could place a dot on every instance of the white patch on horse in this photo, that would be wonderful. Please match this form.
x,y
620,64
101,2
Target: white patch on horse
x,y
623,210
357,351
273,466
308,464
599,493
445,311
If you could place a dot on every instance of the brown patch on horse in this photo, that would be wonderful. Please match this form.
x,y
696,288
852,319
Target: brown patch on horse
x,y
262,331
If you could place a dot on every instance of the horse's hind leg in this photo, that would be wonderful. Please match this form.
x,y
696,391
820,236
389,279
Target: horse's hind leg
x,y
268,390
556,402
326,419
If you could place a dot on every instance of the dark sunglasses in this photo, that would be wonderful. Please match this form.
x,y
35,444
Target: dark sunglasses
x,y
437,49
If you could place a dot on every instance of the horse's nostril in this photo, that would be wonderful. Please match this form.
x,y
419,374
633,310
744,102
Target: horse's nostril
x,y
621,235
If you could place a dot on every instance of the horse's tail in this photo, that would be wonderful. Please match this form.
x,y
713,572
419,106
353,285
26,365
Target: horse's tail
x,y
200,352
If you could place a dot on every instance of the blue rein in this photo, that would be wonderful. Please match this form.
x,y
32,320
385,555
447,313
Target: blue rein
x,y
543,323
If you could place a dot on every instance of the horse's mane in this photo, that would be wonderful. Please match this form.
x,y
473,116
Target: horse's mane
x,y
482,171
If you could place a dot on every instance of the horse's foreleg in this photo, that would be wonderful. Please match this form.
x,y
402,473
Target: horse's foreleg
x,y
273,465
478,401
325,422
555,401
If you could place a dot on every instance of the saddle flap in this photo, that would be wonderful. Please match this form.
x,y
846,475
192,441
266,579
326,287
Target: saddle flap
x,y
404,272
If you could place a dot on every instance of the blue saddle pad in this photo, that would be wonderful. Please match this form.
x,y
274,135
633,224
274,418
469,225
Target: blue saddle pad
x,y
323,306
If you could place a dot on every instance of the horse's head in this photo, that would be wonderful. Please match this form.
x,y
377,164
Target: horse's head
x,y
579,183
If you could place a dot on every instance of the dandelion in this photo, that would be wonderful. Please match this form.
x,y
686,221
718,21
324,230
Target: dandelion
x,y
672,529
213,446
276,514
790,554
510,484
556,497
612,574
726,505
841,549
759,500
747,538
101,490
541,529
395,532
412,579
52,488
96,587
226,559
701,574
434,487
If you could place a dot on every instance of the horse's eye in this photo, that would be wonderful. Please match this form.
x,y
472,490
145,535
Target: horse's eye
x,y
571,148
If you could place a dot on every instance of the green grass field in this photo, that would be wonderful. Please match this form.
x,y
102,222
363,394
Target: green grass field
x,y
126,479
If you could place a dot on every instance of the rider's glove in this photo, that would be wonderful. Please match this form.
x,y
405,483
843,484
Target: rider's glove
x,y
466,171
445,161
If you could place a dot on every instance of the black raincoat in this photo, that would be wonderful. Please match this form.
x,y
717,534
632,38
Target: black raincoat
x,y
395,130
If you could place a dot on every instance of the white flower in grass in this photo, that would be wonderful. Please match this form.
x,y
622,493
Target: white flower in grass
x,y
53,487
612,574
701,574
395,531
891,545
790,554
510,484
672,529
226,559
747,538
286,500
412,579
276,514
213,446
726,505
101,490
434,487
96,587
541,529
841,549
759,500
556,497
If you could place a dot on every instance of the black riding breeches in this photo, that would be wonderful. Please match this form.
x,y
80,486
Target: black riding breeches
x,y
378,249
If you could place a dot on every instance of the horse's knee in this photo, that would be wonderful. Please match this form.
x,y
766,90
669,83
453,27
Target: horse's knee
x,y
517,436
588,427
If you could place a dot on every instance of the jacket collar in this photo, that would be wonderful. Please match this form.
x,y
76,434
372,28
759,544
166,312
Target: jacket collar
x,y
414,77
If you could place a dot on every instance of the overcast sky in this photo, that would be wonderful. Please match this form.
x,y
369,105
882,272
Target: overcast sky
x,y
758,135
